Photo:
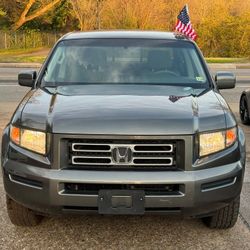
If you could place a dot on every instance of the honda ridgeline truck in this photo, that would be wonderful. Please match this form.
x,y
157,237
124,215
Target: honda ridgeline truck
x,y
124,123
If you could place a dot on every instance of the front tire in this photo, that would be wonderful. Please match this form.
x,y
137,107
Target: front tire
x,y
224,218
244,111
20,215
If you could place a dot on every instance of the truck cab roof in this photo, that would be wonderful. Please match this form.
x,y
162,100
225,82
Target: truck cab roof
x,y
126,34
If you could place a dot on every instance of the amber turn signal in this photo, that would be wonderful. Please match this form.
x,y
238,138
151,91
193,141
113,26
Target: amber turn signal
x,y
231,136
15,134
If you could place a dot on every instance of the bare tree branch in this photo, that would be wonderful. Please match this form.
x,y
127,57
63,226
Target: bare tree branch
x,y
87,13
24,18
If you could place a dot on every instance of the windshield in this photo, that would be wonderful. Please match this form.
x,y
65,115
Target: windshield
x,y
125,61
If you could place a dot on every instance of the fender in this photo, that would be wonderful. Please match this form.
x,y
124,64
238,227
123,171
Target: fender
x,y
5,144
242,144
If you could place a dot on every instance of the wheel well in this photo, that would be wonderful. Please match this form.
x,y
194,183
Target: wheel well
x,y
246,93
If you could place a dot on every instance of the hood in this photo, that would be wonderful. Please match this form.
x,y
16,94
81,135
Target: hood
x,y
123,110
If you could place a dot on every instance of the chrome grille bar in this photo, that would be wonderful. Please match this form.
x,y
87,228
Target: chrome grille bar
x,y
109,147
90,147
75,162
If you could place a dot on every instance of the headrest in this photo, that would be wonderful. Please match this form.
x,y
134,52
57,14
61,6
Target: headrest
x,y
95,56
158,60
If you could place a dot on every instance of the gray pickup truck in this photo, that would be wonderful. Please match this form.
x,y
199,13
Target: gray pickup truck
x,y
124,123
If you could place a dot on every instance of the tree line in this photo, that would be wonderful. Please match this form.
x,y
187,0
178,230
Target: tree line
x,y
223,26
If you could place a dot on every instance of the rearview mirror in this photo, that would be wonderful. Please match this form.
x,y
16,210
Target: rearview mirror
x,y
27,78
225,80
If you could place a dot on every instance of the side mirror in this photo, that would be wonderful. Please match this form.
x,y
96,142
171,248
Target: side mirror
x,y
225,80
27,78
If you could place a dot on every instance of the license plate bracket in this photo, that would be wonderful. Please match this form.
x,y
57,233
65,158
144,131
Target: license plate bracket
x,y
121,202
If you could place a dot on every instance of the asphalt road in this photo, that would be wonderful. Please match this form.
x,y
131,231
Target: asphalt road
x,y
123,232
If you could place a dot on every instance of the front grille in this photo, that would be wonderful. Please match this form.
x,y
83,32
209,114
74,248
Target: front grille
x,y
120,154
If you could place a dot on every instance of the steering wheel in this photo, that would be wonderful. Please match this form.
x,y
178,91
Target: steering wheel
x,y
167,72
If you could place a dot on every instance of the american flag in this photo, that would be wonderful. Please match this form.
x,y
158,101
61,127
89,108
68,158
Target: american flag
x,y
184,25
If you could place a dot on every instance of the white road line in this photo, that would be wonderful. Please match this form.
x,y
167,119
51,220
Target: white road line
x,y
8,85
242,86
11,78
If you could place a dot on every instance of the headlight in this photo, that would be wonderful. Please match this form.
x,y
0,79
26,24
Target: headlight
x,y
217,141
29,139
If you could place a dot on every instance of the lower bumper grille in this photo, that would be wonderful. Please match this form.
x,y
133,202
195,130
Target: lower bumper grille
x,y
159,210
125,154
150,189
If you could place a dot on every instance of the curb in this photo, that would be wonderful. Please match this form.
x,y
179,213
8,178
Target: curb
x,y
233,66
20,65
242,66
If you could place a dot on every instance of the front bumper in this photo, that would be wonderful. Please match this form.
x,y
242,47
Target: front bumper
x,y
203,191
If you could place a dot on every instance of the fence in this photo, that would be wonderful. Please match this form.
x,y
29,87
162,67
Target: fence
x,y
27,39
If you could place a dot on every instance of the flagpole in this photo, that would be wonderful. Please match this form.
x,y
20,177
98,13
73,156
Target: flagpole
x,y
187,8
